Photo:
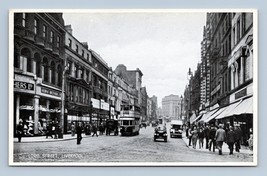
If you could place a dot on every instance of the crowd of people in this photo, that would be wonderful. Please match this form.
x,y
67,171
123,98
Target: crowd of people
x,y
215,136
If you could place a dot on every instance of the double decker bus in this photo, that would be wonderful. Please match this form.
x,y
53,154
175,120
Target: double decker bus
x,y
130,120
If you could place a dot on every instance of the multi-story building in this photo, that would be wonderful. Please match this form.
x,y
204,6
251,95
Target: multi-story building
x,y
239,112
78,88
220,31
205,68
170,107
38,68
143,107
124,92
149,109
154,107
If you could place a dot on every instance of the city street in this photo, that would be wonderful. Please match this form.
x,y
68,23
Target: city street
x,y
104,148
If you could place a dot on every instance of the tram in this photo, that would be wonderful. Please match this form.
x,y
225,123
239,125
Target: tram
x,y
130,120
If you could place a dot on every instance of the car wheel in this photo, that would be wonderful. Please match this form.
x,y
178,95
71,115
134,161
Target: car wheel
x,y
165,140
154,139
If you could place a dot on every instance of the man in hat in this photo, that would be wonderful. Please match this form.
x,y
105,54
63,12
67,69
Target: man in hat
x,y
220,138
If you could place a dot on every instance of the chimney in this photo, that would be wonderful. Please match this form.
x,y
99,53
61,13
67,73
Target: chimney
x,y
85,44
69,29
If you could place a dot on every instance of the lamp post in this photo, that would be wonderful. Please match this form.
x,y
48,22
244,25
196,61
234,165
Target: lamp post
x,y
189,77
62,112
181,98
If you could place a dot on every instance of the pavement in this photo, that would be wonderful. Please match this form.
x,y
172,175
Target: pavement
x,y
225,149
34,139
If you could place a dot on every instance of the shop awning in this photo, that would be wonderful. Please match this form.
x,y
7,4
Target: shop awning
x,y
245,107
207,115
228,111
214,115
198,117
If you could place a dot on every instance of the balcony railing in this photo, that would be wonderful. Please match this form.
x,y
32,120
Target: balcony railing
x,y
29,35
55,50
48,45
39,40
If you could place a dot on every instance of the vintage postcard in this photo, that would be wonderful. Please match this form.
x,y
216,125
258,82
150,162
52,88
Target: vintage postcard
x,y
133,87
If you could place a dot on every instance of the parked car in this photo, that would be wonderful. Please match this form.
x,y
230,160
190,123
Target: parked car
x,y
160,133
176,129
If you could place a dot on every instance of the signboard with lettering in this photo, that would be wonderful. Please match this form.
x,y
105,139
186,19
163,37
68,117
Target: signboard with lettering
x,y
23,85
51,92
241,93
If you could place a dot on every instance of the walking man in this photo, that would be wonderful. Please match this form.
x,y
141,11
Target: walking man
x,y
206,134
231,139
79,133
238,133
94,129
220,138
212,141
19,131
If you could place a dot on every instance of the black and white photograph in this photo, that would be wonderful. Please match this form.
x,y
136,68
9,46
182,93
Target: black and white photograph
x,y
133,87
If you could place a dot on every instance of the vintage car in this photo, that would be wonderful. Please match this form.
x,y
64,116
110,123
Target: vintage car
x,y
176,128
160,133
112,127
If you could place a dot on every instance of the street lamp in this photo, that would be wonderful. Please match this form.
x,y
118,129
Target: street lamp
x,y
189,77
181,99
63,98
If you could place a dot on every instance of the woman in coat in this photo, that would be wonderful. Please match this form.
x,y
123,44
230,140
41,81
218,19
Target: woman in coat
x,y
194,137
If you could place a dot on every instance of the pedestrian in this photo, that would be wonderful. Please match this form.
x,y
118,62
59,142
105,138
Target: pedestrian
x,y
94,129
194,136
49,130
72,129
79,133
56,130
231,139
206,135
220,138
238,133
189,136
250,142
19,131
200,137
212,140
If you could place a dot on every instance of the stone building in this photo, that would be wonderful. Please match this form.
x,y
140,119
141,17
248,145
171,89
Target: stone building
x,y
170,107
38,60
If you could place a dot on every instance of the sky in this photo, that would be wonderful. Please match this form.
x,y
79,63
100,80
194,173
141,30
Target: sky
x,y
162,45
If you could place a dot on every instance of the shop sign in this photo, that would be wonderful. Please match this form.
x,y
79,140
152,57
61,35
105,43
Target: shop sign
x,y
241,93
216,89
23,85
50,92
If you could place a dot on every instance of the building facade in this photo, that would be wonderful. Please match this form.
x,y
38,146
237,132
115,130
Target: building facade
x,y
170,107
78,86
38,60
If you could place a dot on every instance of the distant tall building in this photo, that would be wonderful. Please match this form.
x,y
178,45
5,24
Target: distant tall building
x,y
170,106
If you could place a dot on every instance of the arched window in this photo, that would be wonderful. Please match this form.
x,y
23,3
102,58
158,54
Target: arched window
x,y
26,57
46,71
53,72
38,64
59,70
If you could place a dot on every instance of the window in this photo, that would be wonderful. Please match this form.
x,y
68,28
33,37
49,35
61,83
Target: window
x,y
52,37
238,30
58,41
70,43
82,53
23,22
35,28
44,31
234,39
87,57
243,23
77,48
